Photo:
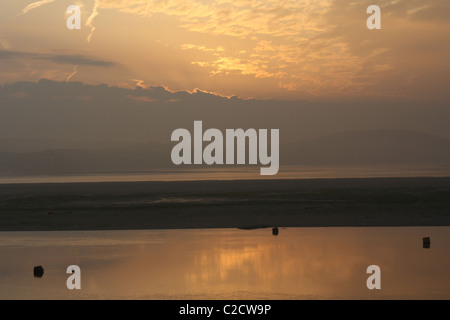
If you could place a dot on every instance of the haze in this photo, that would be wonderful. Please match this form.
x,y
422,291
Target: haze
x,y
137,70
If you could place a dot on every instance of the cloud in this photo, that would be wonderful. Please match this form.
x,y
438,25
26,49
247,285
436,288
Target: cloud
x,y
269,48
141,99
78,60
114,113
231,17
190,46
90,20
311,46
72,74
321,47
139,83
4,43
35,5
57,58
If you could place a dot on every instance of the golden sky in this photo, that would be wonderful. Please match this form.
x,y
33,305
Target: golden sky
x,y
270,49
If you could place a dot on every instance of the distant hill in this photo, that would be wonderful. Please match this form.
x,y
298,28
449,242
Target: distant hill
x,y
36,145
129,158
348,148
369,147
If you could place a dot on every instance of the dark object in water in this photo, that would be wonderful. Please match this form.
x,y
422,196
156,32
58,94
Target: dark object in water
x,y
426,243
38,272
275,231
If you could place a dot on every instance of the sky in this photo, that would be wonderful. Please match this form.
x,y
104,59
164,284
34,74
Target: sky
x,y
312,50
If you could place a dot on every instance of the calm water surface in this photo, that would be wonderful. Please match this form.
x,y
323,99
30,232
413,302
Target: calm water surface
x,y
299,263
247,173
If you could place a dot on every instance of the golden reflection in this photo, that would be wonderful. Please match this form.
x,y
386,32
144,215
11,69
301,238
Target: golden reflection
x,y
300,263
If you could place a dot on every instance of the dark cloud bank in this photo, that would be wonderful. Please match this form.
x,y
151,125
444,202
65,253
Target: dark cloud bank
x,y
73,127
56,58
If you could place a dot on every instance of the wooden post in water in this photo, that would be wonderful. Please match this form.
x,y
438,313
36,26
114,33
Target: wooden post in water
x,y
38,272
275,231
426,243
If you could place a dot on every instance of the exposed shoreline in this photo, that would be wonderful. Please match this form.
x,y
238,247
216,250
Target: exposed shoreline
x,y
356,202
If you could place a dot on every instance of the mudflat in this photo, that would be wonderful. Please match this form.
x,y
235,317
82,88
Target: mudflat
x,y
247,204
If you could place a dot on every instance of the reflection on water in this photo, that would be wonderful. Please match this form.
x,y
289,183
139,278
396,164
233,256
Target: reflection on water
x,y
299,263
244,173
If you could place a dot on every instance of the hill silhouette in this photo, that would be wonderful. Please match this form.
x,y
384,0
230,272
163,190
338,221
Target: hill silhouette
x,y
369,147
348,148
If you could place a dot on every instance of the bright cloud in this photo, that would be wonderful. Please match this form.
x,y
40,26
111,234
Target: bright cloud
x,y
312,48
35,5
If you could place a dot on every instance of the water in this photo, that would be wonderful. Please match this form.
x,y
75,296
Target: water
x,y
299,263
240,173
